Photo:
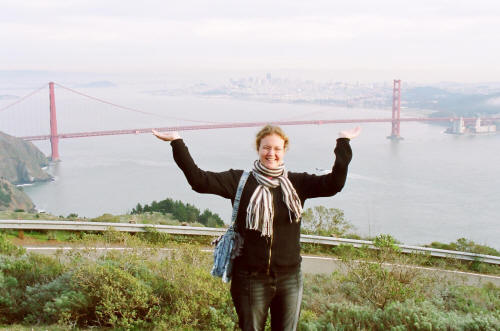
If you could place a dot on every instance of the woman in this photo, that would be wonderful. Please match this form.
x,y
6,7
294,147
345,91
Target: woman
x,y
267,274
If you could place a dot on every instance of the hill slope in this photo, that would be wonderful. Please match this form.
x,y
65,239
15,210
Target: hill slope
x,y
12,198
20,161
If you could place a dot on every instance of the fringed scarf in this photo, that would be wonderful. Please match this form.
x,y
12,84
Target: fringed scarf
x,y
260,211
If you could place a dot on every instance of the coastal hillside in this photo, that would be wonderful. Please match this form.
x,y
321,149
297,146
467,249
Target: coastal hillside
x,y
20,161
13,198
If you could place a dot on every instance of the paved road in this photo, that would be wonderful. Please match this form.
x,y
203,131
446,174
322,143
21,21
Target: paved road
x,y
312,264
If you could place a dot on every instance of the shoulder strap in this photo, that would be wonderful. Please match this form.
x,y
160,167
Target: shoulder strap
x,y
239,190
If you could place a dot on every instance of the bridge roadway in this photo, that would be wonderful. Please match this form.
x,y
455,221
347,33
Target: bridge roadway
x,y
247,125
310,264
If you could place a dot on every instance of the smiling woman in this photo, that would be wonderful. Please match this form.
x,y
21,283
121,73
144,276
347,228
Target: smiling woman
x,y
266,272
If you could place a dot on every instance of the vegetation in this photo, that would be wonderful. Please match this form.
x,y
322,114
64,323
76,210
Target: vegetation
x,y
143,289
324,221
372,296
181,211
132,290
5,197
465,245
318,220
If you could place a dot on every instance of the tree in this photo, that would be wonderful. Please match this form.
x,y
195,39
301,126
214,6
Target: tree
x,y
324,221
184,212
210,219
137,209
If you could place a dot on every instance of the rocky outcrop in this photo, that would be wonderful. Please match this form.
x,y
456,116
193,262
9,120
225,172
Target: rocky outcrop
x,y
20,161
12,198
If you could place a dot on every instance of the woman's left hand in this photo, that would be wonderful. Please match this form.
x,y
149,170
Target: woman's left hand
x,y
166,136
351,133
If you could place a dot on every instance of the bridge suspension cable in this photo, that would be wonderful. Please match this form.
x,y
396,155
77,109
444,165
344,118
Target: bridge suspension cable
x,y
129,108
23,98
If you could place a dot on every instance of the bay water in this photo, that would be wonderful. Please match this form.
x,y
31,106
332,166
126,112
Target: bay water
x,y
431,186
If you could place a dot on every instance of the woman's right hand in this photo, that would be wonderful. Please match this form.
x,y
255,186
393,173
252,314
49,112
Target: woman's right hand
x,y
166,136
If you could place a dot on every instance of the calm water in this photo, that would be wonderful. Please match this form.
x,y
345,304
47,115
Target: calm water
x,y
431,186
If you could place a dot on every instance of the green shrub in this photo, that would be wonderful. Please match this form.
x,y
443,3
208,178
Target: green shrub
x,y
385,278
465,245
434,305
398,316
155,237
191,296
19,273
324,221
469,299
54,302
141,289
31,269
386,242
113,296
8,248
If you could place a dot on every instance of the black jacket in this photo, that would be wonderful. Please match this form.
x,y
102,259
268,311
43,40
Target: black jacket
x,y
281,252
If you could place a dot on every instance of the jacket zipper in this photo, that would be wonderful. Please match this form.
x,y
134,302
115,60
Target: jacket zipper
x,y
269,261
270,244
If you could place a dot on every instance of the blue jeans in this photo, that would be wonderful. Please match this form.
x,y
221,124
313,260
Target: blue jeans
x,y
255,293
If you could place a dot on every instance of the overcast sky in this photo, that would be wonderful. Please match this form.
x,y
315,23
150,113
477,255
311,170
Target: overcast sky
x,y
415,40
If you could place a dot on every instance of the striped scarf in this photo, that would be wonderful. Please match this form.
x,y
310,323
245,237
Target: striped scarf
x,y
260,211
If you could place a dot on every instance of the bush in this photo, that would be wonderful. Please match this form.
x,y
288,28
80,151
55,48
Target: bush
x,y
324,221
8,248
139,289
387,279
398,316
192,297
54,302
465,245
113,297
17,273
324,308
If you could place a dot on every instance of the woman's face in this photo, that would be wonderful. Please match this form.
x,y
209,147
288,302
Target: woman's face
x,y
272,151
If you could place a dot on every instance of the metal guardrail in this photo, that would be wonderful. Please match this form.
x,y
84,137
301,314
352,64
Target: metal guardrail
x,y
189,230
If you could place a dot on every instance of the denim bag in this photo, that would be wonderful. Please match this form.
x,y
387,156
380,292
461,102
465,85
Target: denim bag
x,y
229,245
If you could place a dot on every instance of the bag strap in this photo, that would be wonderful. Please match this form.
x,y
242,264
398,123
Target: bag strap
x,y
239,190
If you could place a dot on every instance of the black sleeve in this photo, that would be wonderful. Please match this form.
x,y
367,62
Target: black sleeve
x,y
223,183
313,186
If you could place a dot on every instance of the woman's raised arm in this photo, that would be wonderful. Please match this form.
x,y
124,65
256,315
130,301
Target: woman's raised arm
x,y
312,186
220,183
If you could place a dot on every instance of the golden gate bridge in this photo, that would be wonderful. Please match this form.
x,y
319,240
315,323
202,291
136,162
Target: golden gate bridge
x,y
55,135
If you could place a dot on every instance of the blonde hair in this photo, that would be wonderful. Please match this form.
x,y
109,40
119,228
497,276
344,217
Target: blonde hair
x,y
269,130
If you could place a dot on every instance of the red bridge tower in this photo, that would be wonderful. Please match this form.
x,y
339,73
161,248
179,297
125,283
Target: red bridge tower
x,y
396,111
54,138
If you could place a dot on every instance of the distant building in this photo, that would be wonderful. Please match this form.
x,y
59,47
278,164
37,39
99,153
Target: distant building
x,y
460,127
479,128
